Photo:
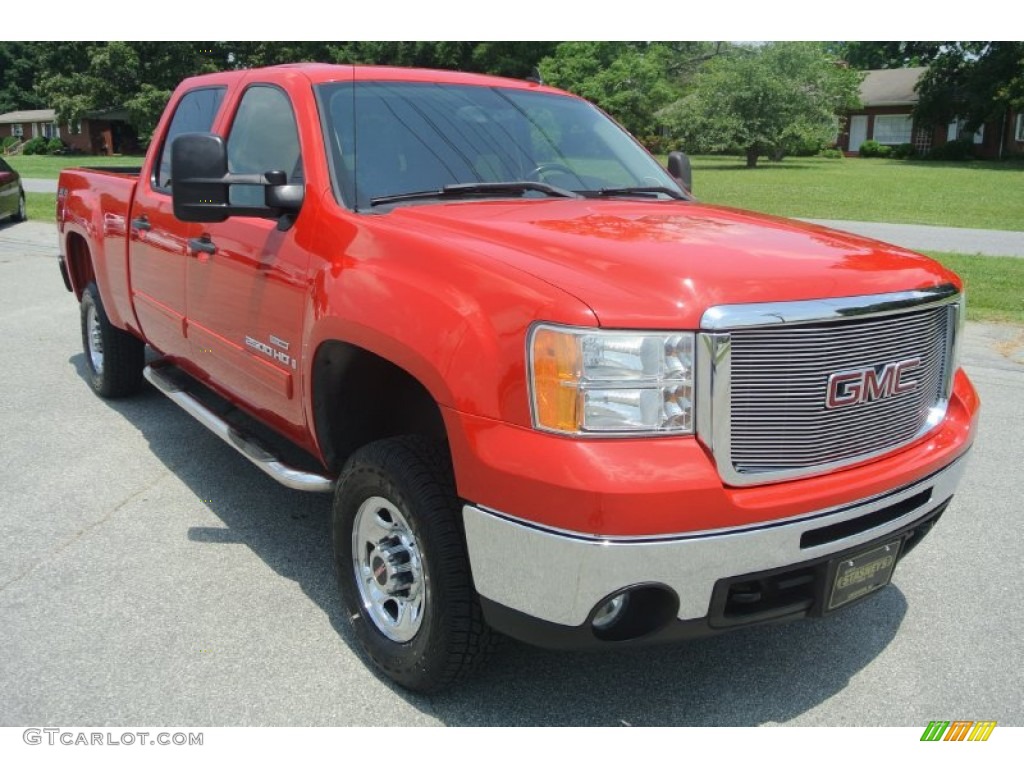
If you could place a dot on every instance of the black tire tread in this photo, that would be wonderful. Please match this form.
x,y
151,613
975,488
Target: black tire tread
x,y
124,355
426,476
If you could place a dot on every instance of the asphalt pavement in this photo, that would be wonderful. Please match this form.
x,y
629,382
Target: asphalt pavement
x,y
150,575
46,186
920,237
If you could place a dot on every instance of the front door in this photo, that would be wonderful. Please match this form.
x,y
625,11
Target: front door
x,y
858,131
247,278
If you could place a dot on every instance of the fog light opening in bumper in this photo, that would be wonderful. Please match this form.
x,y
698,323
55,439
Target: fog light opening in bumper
x,y
634,612
609,612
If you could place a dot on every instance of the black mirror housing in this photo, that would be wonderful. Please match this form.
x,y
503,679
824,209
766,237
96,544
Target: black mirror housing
x,y
199,167
201,183
285,198
679,168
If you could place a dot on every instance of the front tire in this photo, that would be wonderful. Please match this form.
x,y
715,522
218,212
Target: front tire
x,y
402,567
113,358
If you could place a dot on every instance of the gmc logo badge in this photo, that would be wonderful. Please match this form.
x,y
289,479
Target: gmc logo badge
x,y
868,384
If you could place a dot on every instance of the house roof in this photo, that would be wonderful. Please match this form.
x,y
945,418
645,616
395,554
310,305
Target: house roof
x,y
890,87
28,116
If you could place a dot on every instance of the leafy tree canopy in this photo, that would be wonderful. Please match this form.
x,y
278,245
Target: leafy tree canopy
x,y
766,99
888,55
629,80
972,81
19,63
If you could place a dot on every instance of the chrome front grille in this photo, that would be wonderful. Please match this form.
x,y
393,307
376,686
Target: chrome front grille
x,y
764,401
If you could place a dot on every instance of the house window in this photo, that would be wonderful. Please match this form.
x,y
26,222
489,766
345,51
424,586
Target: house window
x,y
1019,134
75,129
894,129
17,129
956,131
51,131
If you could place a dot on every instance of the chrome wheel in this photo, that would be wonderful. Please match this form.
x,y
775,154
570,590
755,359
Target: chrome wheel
x,y
388,569
94,335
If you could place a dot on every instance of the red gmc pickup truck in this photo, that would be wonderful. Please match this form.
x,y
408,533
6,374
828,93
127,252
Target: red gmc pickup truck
x,y
553,395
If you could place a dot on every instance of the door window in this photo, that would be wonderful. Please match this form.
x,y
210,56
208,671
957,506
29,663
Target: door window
x,y
264,137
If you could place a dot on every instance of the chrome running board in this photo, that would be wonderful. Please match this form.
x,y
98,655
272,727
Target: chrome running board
x,y
245,445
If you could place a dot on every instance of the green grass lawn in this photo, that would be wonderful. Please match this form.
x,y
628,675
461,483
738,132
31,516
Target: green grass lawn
x,y
994,285
49,166
41,206
985,195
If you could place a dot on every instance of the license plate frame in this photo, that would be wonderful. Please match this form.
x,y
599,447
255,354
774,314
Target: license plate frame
x,y
860,574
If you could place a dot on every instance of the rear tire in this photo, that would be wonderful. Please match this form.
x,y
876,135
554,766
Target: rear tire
x,y
22,212
113,358
402,567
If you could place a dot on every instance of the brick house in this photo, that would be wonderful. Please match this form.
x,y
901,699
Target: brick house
x,y
887,99
98,133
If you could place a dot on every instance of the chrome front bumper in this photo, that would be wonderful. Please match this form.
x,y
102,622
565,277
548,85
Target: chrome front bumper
x,y
561,576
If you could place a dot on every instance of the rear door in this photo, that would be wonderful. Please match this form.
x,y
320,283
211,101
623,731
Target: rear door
x,y
157,248
247,284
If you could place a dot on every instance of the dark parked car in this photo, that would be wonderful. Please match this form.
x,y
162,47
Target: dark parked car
x,y
12,196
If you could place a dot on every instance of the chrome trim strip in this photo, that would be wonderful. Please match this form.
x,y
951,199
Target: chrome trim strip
x,y
730,316
955,326
711,375
561,578
284,474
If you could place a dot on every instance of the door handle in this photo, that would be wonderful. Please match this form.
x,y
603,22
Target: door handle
x,y
201,245
141,222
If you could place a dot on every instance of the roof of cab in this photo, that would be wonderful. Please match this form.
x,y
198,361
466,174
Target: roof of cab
x,y
327,73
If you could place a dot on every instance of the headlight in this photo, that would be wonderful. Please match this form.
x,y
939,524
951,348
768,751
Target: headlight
x,y
606,382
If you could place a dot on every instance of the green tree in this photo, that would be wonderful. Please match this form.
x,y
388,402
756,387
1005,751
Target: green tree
x,y
892,54
766,99
630,81
973,81
19,65
81,77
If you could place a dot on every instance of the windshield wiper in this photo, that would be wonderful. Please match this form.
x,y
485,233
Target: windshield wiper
x,y
500,188
633,191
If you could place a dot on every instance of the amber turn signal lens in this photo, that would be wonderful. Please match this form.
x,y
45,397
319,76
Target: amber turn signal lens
x,y
556,375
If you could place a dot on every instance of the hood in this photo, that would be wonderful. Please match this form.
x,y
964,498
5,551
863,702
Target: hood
x,y
653,264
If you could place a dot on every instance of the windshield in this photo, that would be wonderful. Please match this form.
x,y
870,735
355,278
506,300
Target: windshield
x,y
393,138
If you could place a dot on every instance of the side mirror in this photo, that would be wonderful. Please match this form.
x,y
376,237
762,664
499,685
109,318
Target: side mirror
x,y
200,183
199,163
679,168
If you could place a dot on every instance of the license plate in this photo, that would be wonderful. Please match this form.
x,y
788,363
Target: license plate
x,y
862,574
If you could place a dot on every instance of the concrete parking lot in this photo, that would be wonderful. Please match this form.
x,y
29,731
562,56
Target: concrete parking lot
x,y
150,575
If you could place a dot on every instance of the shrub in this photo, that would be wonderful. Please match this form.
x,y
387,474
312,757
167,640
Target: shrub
x,y
960,149
903,151
54,147
655,144
832,153
36,146
8,142
805,148
872,148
